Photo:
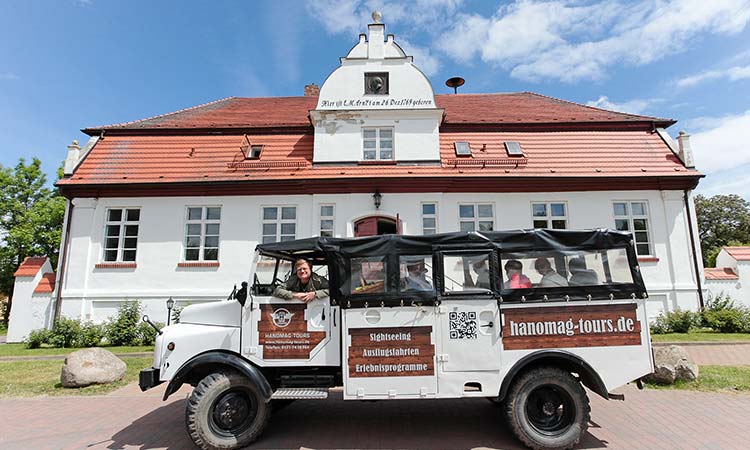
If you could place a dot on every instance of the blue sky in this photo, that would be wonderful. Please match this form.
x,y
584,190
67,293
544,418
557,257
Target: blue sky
x,y
69,64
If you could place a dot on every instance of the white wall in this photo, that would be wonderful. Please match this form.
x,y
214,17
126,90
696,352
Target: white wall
x,y
30,311
93,293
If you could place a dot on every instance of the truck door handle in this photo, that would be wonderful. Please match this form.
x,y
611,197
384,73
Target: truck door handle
x,y
489,324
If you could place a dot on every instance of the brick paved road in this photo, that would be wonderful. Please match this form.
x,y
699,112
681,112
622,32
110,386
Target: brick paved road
x,y
128,419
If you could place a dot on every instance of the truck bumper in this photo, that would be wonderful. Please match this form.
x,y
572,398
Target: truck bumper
x,y
148,378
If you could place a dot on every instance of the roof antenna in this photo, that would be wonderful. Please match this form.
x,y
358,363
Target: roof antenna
x,y
455,83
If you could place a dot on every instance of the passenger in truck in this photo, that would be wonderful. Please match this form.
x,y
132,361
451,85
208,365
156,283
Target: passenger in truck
x,y
303,284
416,279
516,278
580,275
550,277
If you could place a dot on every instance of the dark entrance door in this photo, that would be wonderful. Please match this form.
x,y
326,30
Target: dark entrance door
x,y
375,225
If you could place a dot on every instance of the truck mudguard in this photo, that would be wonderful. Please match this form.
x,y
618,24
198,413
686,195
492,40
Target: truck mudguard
x,y
218,359
560,358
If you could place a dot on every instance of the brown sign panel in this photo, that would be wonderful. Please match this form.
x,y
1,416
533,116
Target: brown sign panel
x,y
282,331
571,326
391,352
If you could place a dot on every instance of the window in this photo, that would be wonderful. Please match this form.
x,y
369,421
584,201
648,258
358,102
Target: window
x,y
279,223
376,83
367,275
633,217
121,234
326,220
550,215
462,148
513,148
255,151
415,273
476,217
377,143
429,218
202,233
466,272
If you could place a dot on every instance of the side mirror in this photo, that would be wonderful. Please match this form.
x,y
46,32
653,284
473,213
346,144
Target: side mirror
x,y
241,295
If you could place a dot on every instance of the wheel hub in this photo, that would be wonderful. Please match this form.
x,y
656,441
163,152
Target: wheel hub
x,y
549,409
231,411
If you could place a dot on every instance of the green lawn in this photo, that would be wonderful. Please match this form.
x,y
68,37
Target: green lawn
x,y
3,329
42,378
20,350
715,379
698,336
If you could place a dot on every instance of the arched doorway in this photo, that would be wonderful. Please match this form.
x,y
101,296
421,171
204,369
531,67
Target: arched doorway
x,y
375,225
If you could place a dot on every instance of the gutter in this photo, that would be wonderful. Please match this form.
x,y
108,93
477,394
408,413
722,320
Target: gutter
x,y
64,250
694,252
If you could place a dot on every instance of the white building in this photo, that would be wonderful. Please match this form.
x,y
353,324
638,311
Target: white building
x,y
731,276
173,205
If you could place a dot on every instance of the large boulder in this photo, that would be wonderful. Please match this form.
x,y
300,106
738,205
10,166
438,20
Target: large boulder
x,y
91,366
672,363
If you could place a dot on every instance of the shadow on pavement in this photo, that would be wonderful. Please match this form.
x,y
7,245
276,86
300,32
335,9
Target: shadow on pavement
x,y
334,423
163,427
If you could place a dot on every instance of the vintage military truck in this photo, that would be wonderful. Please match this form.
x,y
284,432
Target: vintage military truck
x,y
523,318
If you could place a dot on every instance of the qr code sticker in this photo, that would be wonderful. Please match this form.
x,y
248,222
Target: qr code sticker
x,y
462,325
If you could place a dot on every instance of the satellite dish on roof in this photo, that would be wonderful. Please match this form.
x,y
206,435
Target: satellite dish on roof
x,y
455,83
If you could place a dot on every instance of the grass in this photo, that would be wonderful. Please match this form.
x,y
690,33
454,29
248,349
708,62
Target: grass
x,y
20,350
700,336
3,329
42,378
714,379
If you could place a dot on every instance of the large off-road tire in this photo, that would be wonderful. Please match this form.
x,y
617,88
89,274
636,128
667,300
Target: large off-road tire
x,y
226,411
547,409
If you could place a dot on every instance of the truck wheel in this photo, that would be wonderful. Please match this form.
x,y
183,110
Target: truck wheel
x,y
547,409
225,411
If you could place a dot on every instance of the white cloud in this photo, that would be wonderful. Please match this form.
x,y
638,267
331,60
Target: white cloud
x,y
721,143
635,106
423,57
570,40
726,182
732,74
8,76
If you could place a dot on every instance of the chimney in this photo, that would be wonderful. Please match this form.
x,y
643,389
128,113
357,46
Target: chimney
x,y
74,152
312,90
376,38
686,152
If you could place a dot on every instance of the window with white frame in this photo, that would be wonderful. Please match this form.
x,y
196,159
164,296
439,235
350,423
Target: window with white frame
x,y
121,234
550,215
476,217
279,223
377,143
202,227
326,220
429,218
633,217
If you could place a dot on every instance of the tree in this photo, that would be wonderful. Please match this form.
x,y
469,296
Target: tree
x,y
722,220
31,217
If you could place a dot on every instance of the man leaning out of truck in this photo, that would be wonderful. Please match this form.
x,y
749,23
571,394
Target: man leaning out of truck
x,y
303,284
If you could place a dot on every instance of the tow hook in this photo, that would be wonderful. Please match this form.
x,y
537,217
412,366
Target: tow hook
x,y
148,321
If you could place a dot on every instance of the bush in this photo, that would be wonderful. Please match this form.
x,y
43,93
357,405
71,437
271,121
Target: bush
x,y
676,321
146,333
91,335
36,338
723,316
65,333
122,329
660,325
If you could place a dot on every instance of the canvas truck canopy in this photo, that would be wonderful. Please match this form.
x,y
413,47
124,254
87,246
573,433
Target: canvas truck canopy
x,y
513,266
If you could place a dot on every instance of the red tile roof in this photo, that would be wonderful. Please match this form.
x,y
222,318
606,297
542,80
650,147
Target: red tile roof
x,y
30,266
46,284
119,159
720,273
286,112
739,253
